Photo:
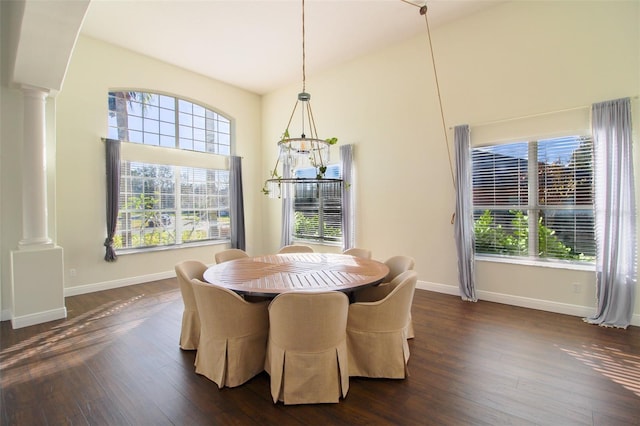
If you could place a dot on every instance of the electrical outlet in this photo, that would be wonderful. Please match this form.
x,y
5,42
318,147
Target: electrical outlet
x,y
72,272
577,288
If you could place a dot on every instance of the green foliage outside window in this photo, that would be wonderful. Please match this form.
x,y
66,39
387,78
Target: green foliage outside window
x,y
308,226
493,238
147,223
305,224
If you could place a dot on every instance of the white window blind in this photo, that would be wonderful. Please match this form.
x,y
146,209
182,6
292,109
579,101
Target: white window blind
x,y
164,205
317,209
540,188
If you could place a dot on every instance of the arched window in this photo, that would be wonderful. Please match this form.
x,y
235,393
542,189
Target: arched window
x,y
167,121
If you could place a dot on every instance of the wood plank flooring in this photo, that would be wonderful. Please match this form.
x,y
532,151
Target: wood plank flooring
x,y
115,361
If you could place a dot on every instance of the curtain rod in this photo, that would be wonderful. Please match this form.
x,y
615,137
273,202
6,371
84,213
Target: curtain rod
x,y
506,120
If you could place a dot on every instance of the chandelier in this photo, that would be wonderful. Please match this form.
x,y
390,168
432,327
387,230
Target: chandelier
x,y
306,152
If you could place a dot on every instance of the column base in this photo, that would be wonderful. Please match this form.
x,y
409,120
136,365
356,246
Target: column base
x,y
35,244
37,286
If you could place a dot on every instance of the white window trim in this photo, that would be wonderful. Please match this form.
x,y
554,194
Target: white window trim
x,y
535,261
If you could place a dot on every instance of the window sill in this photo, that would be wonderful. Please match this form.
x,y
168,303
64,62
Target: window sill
x,y
558,264
317,243
172,247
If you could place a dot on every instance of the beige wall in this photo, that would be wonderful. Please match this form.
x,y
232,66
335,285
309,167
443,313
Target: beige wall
x,y
81,122
518,59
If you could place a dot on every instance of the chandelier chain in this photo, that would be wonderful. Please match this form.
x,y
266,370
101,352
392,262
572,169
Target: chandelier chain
x,y
303,52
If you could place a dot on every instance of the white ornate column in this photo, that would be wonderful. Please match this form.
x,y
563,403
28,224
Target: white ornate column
x,y
34,170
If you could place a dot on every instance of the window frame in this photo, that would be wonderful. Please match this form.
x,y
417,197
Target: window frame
x,y
334,170
185,160
534,204
215,124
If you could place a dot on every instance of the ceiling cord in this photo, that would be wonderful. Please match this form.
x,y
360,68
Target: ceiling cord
x,y
423,11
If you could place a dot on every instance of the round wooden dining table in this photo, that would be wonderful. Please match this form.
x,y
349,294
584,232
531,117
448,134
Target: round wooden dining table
x,y
273,274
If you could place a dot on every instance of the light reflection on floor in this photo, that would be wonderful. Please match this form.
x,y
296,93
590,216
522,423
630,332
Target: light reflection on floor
x,y
76,340
615,364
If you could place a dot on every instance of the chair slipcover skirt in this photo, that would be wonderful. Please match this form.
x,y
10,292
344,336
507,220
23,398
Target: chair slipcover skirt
x,y
307,352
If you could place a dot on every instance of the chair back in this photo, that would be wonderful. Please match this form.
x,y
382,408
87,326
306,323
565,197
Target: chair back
x,y
233,337
219,308
295,248
310,322
358,252
230,254
190,328
185,272
391,313
379,292
397,265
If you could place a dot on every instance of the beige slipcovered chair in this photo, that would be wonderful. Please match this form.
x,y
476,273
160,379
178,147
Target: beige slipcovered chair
x,y
358,252
233,336
230,254
296,248
376,333
397,265
307,351
190,331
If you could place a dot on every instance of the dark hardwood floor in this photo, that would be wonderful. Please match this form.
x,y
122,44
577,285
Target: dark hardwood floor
x,y
115,361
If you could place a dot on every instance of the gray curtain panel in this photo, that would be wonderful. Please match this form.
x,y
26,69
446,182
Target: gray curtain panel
x,y
287,206
236,203
348,231
615,211
463,225
112,149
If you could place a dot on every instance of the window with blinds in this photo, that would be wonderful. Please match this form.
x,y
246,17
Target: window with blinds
x,y
538,188
317,210
164,205
176,200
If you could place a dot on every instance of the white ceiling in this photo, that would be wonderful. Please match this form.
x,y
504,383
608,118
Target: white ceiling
x,y
257,44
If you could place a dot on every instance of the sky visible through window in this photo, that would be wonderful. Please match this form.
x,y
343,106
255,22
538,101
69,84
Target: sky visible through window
x,y
549,150
333,172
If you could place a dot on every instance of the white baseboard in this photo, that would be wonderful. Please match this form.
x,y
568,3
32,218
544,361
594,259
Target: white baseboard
x,y
38,318
438,288
525,302
107,285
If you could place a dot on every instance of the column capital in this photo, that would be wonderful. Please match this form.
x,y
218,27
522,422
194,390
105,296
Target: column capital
x,y
34,92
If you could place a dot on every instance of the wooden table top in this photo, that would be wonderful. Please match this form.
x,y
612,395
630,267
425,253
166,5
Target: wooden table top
x,y
277,273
